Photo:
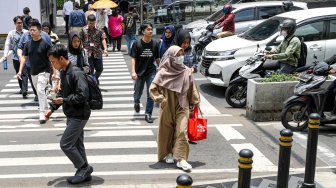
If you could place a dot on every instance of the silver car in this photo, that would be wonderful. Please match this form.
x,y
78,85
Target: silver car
x,y
247,15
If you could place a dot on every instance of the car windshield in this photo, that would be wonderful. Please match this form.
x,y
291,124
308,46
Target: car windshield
x,y
263,30
215,16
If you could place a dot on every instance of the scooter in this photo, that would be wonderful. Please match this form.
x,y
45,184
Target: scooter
x,y
256,67
309,98
206,37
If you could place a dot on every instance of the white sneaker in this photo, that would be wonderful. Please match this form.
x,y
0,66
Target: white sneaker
x,y
169,158
184,165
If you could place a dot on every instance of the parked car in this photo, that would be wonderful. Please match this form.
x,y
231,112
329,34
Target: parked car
x,y
222,59
247,15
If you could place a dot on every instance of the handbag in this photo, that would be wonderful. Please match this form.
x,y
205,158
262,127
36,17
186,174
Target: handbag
x,y
197,127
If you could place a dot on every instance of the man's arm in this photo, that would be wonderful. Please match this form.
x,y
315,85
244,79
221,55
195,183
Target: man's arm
x,y
229,19
331,60
7,45
70,21
105,47
134,74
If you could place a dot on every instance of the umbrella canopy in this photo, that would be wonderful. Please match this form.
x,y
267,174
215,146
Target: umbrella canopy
x,y
101,4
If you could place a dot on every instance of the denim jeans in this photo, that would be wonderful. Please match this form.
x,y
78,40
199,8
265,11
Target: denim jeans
x,y
138,88
130,38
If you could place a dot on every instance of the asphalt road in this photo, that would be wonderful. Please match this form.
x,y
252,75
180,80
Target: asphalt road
x,y
121,145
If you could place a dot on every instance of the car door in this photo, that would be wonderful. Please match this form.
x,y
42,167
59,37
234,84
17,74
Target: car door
x,y
313,34
244,20
266,12
331,38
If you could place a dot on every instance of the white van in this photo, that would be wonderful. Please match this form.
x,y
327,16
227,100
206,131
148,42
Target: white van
x,y
222,59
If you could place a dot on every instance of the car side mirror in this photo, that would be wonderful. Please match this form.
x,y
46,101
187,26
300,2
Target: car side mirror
x,y
279,39
268,48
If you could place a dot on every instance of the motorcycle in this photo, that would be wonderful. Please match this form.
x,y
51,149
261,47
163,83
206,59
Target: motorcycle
x,y
205,39
255,67
309,98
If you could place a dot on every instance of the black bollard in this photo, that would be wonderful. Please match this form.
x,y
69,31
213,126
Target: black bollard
x,y
245,166
184,181
284,157
313,131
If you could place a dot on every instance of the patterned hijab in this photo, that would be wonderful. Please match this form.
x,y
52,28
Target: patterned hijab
x,y
173,76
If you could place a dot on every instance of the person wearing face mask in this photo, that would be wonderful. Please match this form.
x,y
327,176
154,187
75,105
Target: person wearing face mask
x,y
175,88
182,39
288,51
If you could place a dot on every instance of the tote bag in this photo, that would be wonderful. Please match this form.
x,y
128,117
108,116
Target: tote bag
x,y
197,127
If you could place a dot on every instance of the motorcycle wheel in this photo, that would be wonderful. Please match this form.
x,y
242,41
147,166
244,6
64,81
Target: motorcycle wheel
x,y
199,51
293,118
235,95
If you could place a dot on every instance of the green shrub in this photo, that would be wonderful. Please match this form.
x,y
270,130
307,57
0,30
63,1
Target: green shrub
x,y
280,77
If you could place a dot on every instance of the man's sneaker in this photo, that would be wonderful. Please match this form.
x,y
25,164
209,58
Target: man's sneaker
x,y
20,92
36,98
169,158
137,108
82,175
24,94
148,118
43,121
184,165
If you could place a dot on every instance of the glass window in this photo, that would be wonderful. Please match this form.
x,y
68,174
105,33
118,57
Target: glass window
x,y
296,8
332,29
267,12
310,32
244,15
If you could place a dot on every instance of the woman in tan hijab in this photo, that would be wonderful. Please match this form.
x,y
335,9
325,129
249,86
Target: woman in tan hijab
x,y
175,88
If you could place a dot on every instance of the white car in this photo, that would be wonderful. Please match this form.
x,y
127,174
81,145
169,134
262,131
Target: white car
x,y
222,59
247,15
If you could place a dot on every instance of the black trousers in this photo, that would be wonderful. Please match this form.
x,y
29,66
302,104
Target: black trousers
x,y
66,23
118,40
23,83
30,80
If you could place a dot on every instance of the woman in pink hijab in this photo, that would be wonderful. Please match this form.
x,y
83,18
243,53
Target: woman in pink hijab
x,y
175,88
116,29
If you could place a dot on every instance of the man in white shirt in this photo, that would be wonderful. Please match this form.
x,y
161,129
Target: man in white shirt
x,y
67,9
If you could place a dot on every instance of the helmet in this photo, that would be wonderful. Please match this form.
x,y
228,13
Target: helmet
x,y
287,5
227,8
26,10
290,25
322,68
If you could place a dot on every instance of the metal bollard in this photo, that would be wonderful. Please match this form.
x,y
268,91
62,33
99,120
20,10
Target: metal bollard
x,y
245,166
313,124
184,181
284,157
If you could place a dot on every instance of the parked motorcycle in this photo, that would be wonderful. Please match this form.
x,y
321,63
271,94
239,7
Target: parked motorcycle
x,y
206,37
255,67
309,98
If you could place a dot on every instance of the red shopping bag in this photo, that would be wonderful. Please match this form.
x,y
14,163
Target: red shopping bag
x,y
197,127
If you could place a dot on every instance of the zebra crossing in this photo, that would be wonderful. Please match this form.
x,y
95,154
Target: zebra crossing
x,y
118,141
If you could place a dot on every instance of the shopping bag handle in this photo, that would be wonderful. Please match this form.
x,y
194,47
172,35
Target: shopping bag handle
x,y
196,109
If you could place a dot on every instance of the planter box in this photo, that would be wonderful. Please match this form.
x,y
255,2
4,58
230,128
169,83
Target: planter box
x,y
265,100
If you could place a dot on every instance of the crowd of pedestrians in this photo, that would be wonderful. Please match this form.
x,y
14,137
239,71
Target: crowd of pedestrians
x,y
165,66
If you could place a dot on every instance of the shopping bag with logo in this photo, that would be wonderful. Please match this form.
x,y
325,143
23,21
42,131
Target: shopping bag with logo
x,y
197,127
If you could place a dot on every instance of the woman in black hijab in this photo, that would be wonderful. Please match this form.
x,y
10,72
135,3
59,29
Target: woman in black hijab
x,y
182,39
77,54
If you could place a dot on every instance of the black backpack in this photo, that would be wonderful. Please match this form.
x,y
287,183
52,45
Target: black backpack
x,y
303,53
95,98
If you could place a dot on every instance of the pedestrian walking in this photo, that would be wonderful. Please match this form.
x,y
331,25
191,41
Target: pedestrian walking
x,y
53,36
144,52
94,41
115,29
90,11
36,50
130,27
26,17
167,38
67,9
77,55
86,6
74,100
182,39
24,39
77,19
175,88
12,42
102,22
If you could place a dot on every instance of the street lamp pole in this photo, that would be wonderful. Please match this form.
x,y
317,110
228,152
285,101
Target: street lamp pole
x,y
141,12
